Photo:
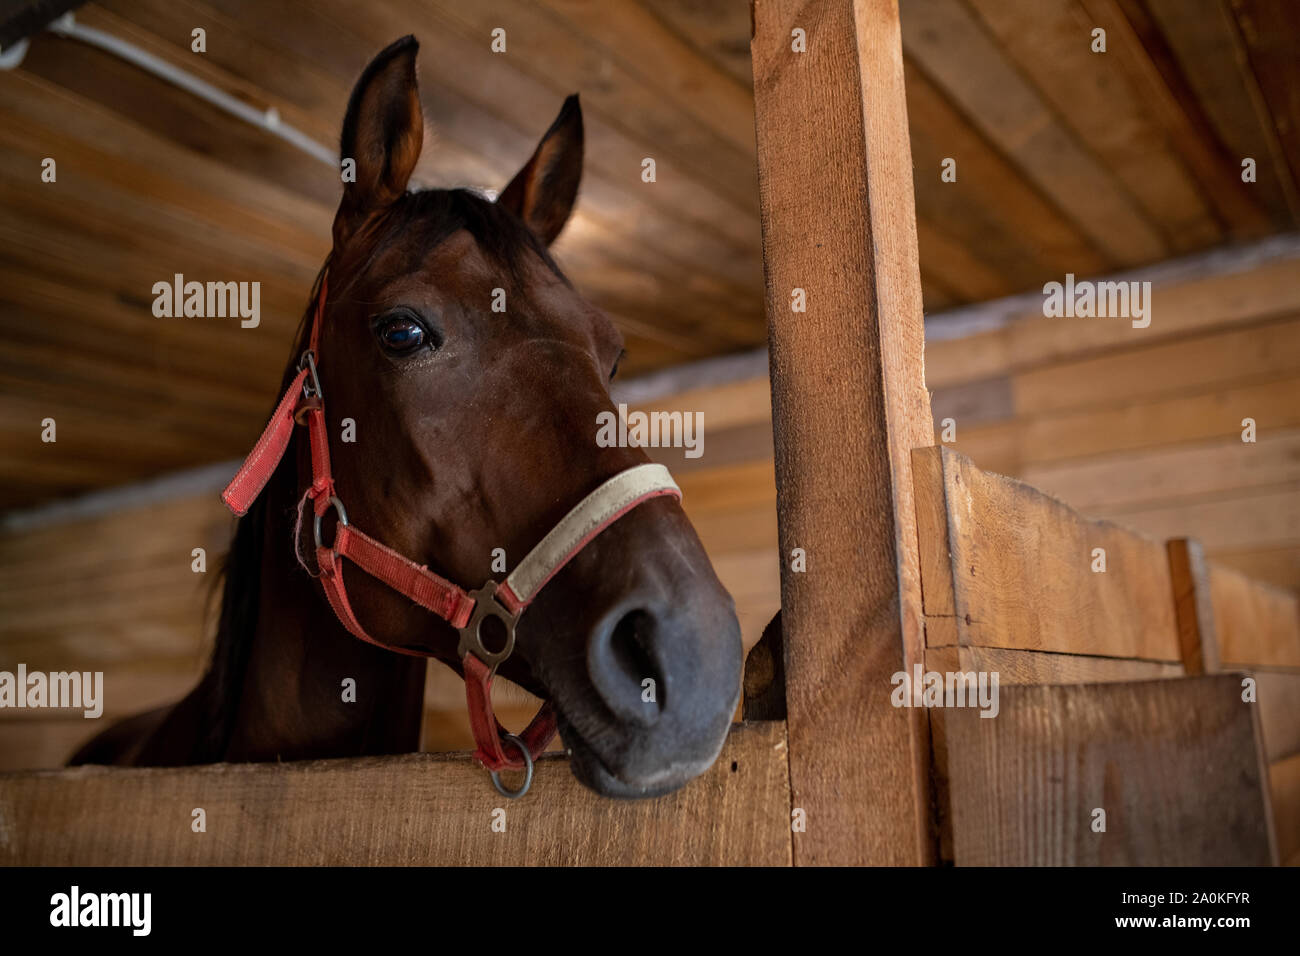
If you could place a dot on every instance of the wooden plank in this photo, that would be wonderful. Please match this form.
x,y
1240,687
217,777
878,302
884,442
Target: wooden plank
x,y
1174,764
1209,305
967,358
1041,667
1212,300
1214,413
728,446
1284,783
1190,574
1279,712
751,484
1264,351
1208,46
946,40
735,529
1117,483
991,212
746,402
26,744
1021,563
747,574
1250,518
1268,30
720,31
995,448
1050,41
610,89
1279,567
944,660
1137,48
934,532
849,405
1257,625
415,809
1019,667
663,60
972,403
956,267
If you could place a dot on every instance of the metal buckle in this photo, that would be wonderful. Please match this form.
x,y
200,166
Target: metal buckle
x,y
311,386
471,637
343,521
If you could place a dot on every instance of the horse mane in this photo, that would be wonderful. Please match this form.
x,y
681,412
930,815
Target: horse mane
x,y
435,214
240,580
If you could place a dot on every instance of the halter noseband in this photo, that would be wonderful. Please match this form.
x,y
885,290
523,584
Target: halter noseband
x,y
303,403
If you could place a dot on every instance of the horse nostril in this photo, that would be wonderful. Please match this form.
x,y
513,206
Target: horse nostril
x,y
624,672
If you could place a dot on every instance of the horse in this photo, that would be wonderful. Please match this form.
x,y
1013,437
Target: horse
x,y
474,433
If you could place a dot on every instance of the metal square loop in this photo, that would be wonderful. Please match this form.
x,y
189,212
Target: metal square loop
x,y
311,386
471,636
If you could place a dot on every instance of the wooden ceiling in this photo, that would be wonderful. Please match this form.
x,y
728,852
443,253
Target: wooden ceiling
x,y
1067,161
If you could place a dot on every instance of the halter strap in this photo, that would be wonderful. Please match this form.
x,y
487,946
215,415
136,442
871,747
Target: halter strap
x,y
303,403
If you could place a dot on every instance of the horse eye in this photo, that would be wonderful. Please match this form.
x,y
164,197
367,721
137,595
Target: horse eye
x,y
401,334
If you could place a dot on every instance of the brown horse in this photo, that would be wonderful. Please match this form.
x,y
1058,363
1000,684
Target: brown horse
x,y
475,431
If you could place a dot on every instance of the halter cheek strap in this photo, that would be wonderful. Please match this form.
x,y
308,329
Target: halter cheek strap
x,y
303,403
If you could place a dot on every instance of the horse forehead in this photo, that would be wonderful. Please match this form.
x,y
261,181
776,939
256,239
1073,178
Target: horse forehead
x,y
454,255
457,268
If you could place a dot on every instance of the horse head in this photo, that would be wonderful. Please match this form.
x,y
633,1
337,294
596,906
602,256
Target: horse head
x,y
475,374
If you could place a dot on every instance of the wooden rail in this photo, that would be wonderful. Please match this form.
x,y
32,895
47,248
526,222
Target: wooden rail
x,y
416,809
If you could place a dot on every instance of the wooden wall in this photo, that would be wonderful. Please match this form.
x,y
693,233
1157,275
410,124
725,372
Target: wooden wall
x,y
1144,426
1139,426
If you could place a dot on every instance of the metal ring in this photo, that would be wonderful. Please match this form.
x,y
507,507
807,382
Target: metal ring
x,y
343,520
528,770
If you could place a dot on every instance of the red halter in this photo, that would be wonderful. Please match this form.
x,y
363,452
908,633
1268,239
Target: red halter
x,y
466,612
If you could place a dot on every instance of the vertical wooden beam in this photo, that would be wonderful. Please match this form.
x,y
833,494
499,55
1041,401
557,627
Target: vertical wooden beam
x,y
849,404
1190,574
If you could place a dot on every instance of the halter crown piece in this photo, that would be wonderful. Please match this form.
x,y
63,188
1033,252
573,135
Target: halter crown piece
x,y
304,403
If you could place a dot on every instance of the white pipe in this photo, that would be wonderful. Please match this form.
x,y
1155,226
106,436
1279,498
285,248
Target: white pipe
x,y
10,58
67,26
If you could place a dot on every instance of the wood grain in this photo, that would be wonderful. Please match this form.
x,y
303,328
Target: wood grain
x,y
1204,304
849,404
946,40
1284,782
1279,712
1113,484
1174,763
1020,567
1189,574
1256,624
1144,55
1050,40
412,810
1266,351
1042,667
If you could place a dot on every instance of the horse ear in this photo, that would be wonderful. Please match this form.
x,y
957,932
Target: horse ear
x,y
382,134
543,192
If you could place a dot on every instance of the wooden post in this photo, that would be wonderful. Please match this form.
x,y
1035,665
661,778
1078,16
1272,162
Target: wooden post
x,y
1190,575
848,406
